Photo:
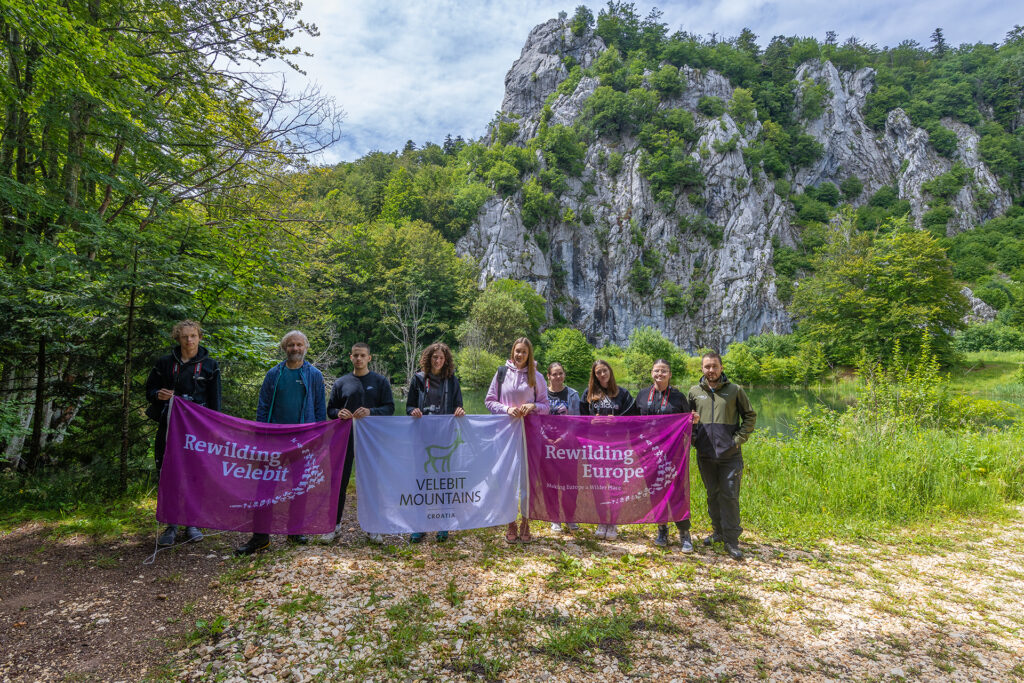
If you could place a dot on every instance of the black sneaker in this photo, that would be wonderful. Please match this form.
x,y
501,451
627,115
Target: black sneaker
x,y
662,539
712,539
166,538
734,551
258,543
193,534
297,539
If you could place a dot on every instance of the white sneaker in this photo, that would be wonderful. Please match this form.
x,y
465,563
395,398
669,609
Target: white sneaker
x,y
556,527
376,538
602,529
331,535
611,532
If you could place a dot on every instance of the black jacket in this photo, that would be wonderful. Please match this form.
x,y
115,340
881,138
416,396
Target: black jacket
x,y
649,402
623,404
348,394
451,394
198,380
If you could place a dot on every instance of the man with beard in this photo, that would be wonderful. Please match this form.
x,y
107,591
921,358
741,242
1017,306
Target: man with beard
x,y
292,393
726,422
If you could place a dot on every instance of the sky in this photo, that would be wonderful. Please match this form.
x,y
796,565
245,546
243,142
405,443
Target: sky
x,y
422,69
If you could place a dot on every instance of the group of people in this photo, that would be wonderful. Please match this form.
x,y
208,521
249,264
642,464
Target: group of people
x,y
294,392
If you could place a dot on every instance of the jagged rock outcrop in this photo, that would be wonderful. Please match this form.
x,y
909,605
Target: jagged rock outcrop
x,y
714,248
901,156
980,312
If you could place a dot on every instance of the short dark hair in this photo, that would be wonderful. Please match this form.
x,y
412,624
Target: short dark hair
x,y
711,354
360,345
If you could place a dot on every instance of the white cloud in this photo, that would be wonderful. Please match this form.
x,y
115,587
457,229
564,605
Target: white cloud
x,y
421,70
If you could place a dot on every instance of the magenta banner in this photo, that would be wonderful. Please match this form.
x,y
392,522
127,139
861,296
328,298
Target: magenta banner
x,y
609,470
222,472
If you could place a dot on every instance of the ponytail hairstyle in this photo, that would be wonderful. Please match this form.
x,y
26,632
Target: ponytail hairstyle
x,y
594,389
531,373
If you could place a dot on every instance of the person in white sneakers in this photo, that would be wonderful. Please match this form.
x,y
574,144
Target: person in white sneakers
x,y
563,401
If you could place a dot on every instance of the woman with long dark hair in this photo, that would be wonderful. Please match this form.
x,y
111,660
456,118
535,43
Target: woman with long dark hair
x,y
434,390
517,390
604,397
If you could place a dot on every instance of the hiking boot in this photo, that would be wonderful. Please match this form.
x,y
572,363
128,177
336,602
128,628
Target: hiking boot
x,y
734,551
611,532
556,527
257,544
602,529
298,539
166,538
573,526
662,539
685,542
416,537
712,539
331,535
442,536
193,534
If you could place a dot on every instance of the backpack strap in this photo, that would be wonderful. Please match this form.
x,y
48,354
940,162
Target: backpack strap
x,y
500,376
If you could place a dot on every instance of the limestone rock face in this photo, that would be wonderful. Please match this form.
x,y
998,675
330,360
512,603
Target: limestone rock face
x,y
707,277
980,312
540,69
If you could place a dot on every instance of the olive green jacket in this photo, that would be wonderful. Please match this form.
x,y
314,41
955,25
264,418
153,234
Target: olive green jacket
x,y
726,418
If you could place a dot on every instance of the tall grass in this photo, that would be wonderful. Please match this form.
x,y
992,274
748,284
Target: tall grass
x,y
909,450
857,483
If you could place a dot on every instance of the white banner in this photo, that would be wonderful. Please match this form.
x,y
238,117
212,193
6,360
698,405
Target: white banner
x,y
437,472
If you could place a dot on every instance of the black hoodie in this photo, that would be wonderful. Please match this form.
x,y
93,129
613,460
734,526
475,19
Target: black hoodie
x,y
197,379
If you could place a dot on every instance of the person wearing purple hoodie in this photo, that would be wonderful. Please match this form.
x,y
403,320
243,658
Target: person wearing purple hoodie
x,y
518,389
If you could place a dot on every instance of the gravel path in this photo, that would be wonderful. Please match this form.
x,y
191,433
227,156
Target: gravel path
x,y
936,604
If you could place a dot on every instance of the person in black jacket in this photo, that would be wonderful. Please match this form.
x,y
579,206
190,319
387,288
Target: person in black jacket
x,y
662,399
189,373
360,393
604,397
434,390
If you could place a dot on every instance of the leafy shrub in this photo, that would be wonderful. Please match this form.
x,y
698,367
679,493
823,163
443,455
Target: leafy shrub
x,y
476,367
993,336
851,187
569,347
711,106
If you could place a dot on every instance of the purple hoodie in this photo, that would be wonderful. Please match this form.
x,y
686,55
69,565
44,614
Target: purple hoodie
x,y
515,391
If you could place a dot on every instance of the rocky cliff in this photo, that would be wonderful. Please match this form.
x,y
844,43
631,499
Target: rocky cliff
x,y
714,247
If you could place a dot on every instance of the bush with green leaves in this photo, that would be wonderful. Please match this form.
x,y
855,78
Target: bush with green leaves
x,y
569,347
475,367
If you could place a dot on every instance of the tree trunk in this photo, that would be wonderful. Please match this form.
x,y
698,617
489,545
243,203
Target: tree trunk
x,y
126,384
35,444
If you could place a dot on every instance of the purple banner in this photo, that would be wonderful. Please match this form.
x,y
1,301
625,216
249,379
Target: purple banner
x,y
222,472
609,470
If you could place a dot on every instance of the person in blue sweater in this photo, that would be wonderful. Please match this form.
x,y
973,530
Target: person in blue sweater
x,y
292,393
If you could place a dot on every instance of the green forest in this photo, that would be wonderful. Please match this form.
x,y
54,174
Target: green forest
x,y
143,182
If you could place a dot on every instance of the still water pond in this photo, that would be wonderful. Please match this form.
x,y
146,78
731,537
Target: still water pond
x,y
777,409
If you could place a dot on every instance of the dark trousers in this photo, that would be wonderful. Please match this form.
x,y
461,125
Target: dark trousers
x,y
682,526
346,474
722,482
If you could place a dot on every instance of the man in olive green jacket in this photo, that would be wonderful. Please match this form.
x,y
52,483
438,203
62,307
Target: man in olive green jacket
x,y
726,421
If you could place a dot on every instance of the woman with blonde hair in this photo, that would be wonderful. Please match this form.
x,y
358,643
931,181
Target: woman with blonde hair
x,y
518,389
